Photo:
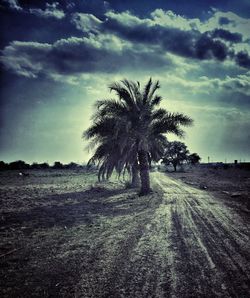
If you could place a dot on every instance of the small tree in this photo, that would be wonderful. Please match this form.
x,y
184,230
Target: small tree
x,y
44,165
58,165
35,166
194,158
175,153
3,166
71,166
18,165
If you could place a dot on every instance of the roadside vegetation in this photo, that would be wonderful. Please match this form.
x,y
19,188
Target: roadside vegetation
x,y
22,165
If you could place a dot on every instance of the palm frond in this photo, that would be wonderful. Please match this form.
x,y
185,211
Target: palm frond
x,y
155,87
146,90
159,114
156,100
103,127
111,107
181,119
123,94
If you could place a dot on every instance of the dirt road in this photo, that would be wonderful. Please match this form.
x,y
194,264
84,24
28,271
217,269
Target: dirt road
x,y
187,245
206,244
109,242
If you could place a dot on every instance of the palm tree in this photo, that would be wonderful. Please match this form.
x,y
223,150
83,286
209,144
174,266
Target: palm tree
x,y
130,131
114,148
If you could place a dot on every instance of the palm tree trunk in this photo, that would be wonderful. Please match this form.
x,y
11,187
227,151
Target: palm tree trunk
x,y
135,175
144,172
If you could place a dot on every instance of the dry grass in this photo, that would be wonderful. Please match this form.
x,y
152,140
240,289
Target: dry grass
x,y
53,227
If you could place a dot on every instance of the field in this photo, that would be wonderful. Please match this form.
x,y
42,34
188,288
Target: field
x,y
63,234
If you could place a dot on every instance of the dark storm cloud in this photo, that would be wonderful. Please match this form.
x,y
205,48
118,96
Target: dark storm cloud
x,y
206,47
185,43
121,41
224,21
92,55
227,35
174,40
243,59
191,8
103,53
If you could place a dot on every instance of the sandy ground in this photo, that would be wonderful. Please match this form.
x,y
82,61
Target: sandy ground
x,y
64,235
232,185
207,244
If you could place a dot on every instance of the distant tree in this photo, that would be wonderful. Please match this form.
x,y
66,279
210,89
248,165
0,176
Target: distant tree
x,y
58,165
39,166
44,165
18,165
35,166
3,166
194,158
175,154
72,165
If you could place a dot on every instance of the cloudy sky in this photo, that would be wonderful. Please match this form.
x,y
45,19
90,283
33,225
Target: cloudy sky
x,y
57,59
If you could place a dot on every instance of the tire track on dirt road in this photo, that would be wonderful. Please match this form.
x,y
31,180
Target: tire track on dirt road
x,y
210,243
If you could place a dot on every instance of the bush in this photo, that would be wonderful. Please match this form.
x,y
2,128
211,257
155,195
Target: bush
x,y
3,166
18,165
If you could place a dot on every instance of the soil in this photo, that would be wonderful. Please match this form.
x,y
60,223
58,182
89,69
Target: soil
x,y
231,184
65,235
